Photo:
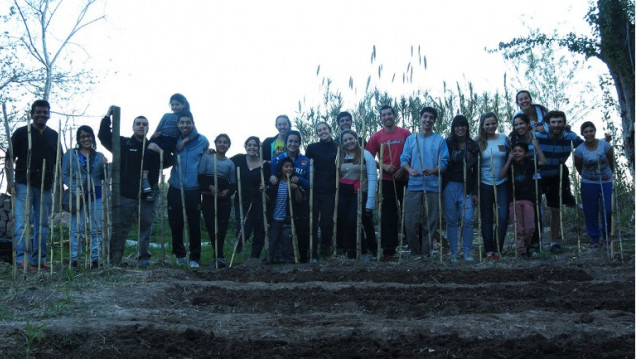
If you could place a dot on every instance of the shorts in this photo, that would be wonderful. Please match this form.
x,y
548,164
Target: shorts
x,y
550,187
167,143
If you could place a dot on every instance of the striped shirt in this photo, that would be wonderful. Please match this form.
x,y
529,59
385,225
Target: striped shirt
x,y
556,150
280,209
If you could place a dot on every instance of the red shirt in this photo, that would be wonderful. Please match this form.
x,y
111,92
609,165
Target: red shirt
x,y
393,141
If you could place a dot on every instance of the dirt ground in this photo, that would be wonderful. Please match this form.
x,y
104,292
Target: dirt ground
x,y
573,305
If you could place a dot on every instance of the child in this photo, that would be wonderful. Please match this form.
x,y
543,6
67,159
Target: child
x,y
166,136
521,174
278,213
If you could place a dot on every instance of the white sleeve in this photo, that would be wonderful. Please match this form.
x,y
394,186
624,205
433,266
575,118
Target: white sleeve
x,y
372,179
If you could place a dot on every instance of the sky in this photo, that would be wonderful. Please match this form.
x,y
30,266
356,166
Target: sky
x,y
241,63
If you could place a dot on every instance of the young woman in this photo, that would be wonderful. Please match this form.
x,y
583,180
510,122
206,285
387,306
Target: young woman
x,y
82,172
324,155
520,171
226,180
250,165
494,148
535,112
460,186
279,213
350,174
594,160
301,177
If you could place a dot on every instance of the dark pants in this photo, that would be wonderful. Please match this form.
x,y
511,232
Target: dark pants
x,y
489,230
323,218
175,219
207,208
253,224
128,210
281,249
302,230
347,225
390,211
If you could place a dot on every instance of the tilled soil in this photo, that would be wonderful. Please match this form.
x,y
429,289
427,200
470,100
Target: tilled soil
x,y
580,307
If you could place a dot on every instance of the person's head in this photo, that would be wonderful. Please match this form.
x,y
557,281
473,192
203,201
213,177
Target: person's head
x,y
556,122
488,124
521,124
459,128
588,131
222,143
349,140
283,125
140,127
387,116
285,167
293,141
179,103
345,120
85,138
40,113
185,123
252,146
523,99
428,115
323,130
519,151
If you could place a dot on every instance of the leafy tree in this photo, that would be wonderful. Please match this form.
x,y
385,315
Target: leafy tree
x,y
612,42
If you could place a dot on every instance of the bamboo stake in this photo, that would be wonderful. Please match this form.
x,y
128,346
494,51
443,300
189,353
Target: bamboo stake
x,y
514,206
41,210
401,236
610,253
241,234
56,178
105,209
216,216
561,202
620,233
576,200
26,234
460,235
240,200
11,181
426,207
78,211
141,176
161,206
89,209
380,200
293,226
478,208
537,200
359,212
71,204
94,223
496,209
311,209
335,209
186,229
263,199
397,201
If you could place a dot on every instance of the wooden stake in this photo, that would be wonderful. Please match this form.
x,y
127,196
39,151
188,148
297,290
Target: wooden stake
x,y
241,234
56,173
311,209
216,216
478,207
514,206
359,212
561,202
26,234
537,200
401,235
380,200
240,200
335,210
41,210
265,225
293,226
141,179
186,229
496,209
610,253
161,206
11,182
426,207
439,208
576,200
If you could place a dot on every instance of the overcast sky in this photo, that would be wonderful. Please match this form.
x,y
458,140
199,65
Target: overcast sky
x,y
242,63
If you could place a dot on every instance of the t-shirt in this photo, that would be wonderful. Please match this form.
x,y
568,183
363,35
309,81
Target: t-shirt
x,y
523,181
595,163
393,144
280,208
493,158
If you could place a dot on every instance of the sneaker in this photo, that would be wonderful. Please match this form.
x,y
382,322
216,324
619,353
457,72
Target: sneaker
x,y
95,265
594,245
73,264
469,258
143,263
145,186
387,257
222,263
492,256
194,264
154,194
43,266
181,261
555,249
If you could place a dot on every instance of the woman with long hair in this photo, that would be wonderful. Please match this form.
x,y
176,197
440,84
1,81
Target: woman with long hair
x,y
460,186
494,148
86,166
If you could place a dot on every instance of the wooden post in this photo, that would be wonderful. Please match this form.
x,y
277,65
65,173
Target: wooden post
x,y
186,229
41,210
263,199
293,226
240,201
311,209
216,216
161,206
241,234
610,251
496,209
360,209
380,200
56,178
561,202
576,200
11,183
538,200
514,206
140,191
439,207
116,177
335,210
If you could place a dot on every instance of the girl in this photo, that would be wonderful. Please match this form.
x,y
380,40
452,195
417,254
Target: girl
x,y
520,172
226,181
250,167
85,165
594,160
493,147
350,174
279,213
460,186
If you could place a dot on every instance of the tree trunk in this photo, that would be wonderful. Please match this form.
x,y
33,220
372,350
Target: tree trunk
x,y
617,51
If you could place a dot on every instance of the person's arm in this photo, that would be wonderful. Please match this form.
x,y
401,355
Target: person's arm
x,y
66,177
504,170
406,158
539,152
372,180
233,184
105,134
295,188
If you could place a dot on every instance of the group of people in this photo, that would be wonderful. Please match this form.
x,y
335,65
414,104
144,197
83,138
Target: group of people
x,y
277,191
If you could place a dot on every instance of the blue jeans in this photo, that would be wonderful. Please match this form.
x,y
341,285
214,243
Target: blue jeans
x,y
591,196
488,223
456,203
40,230
79,229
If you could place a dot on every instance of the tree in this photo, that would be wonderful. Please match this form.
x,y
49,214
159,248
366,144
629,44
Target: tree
x,y
612,23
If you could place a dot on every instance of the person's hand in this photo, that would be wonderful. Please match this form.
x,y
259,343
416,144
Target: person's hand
x,y
154,147
540,129
415,173
223,193
429,171
293,186
155,135
390,169
399,174
209,151
261,188
110,111
474,198
273,180
294,179
608,137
